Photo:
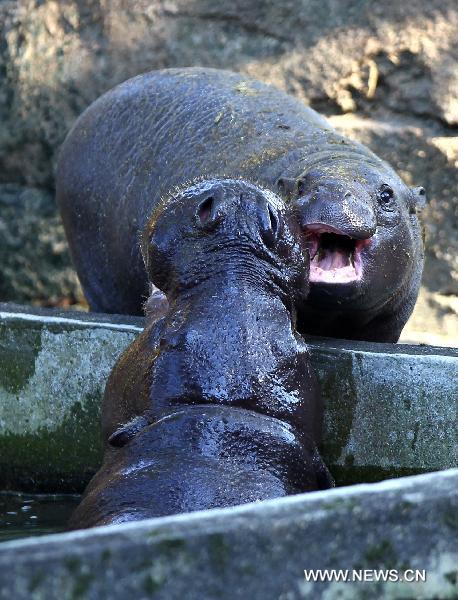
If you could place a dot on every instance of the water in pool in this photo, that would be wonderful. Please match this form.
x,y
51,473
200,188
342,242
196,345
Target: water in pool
x,y
24,515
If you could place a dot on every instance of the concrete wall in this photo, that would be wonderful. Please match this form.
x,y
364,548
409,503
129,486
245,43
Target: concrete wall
x,y
391,409
257,551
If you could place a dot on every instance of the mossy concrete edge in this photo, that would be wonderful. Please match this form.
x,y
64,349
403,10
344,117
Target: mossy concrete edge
x,y
258,550
390,409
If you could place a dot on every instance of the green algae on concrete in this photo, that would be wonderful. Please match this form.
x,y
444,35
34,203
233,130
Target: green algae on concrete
x,y
390,409
259,550
52,375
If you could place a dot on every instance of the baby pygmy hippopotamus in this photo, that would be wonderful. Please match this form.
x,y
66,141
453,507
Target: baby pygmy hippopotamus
x,y
216,403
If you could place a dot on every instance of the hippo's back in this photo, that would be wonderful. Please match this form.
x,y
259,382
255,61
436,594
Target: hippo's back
x,y
153,133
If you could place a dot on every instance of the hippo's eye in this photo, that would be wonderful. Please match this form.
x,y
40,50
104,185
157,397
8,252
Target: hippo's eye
x,y
386,196
300,187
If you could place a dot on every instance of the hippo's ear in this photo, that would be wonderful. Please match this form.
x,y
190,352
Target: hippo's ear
x,y
287,187
418,199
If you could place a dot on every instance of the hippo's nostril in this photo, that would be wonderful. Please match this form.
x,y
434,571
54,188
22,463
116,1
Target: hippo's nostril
x,y
205,209
273,220
269,224
301,187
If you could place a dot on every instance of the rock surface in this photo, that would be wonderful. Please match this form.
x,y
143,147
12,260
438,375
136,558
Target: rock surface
x,y
33,249
389,67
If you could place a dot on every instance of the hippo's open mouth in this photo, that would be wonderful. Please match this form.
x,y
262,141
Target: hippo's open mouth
x,y
335,257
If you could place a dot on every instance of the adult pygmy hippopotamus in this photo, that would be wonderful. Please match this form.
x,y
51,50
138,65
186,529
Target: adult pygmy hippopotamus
x,y
215,404
160,130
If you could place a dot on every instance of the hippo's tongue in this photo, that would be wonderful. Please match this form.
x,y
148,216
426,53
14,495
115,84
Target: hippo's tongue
x,y
335,258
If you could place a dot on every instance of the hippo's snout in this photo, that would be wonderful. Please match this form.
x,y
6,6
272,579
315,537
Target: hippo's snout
x,y
249,212
344,211
224,218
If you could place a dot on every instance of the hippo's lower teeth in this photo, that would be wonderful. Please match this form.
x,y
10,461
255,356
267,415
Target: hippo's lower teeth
x,y
334,259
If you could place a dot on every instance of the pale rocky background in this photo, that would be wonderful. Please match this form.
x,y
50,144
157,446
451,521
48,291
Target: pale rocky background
x,y
385,73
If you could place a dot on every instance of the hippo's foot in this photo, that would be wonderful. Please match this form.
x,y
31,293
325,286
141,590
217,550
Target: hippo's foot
x,y
198,458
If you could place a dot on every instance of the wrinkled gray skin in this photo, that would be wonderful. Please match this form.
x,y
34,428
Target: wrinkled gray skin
x,y
163,129
216,403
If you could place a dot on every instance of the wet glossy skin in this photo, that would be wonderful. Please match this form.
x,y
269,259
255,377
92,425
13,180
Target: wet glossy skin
x,y
216,403
165,128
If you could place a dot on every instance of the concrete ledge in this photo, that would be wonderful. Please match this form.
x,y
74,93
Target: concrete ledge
x,y
257,551
391,409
